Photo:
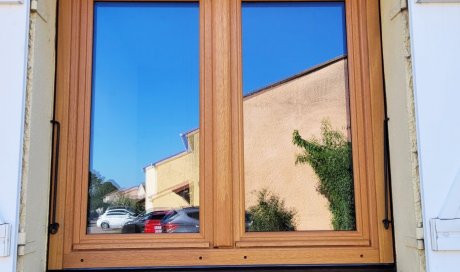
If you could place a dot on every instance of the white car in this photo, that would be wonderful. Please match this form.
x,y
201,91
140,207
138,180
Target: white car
x,y
114,219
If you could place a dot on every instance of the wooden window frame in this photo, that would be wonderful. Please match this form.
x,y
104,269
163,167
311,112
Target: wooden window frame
x,y
222,239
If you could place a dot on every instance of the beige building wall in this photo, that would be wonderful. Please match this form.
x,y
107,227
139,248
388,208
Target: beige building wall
x,y
136,193
270,117
150,186
163,177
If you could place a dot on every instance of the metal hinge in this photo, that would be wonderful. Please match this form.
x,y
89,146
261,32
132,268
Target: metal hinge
x,y
40,8
398,6
34,5
420,238
21,243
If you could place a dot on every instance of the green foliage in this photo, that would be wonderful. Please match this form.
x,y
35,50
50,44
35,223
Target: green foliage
x,y
130,204
140,207
270,214
331,160
98,188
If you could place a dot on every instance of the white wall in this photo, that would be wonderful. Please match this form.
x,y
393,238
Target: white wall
x,y
435,34
13,52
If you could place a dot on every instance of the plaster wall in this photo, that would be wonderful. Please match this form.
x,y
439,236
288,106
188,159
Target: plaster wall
x,y
270,117
34,199
407,214
151,186
435,38
13,53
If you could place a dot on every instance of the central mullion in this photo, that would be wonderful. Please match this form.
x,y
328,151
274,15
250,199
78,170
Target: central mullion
x,y
222,148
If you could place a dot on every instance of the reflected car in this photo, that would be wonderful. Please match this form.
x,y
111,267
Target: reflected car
x,y
114,219
247,221
186,220
149,222
124,208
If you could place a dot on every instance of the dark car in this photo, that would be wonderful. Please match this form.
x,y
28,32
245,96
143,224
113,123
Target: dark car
x,y
187,220
149,222
184,220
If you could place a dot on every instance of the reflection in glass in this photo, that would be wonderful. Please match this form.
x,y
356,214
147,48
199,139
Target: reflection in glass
x,y
297,142
144,147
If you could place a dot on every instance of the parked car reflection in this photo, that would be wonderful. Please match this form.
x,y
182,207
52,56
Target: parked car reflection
x,y
114,218
149,222
186,220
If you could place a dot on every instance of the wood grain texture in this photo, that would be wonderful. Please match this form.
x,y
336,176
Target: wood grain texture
x,y
377,96
222,240
206,122
72,110
198,257
56,241
366,143
222,141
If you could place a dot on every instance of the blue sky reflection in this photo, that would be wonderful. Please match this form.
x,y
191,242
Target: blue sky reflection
x,y
146,71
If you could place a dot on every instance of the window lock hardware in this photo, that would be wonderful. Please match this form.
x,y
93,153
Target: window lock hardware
x,y
387,177
53,227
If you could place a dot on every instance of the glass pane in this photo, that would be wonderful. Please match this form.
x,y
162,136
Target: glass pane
x,y
297,140
144,152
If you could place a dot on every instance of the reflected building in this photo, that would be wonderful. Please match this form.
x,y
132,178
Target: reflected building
x,y
270,115
136,193
173,182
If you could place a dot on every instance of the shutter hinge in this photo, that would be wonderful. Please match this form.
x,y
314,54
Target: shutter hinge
x,y
420,237
21,243
398,6
34,5
39,7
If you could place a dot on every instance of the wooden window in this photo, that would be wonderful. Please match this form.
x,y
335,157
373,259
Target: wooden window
x,y
225,235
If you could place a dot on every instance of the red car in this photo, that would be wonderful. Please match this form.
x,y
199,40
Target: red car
x,y
148,223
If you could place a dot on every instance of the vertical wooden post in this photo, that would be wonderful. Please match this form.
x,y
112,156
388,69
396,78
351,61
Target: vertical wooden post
x,y
222,123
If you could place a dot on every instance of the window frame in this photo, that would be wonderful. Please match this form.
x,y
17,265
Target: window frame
x,y
222,239
362,139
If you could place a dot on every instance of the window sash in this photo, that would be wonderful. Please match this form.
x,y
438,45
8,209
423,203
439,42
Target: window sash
x,y
222,239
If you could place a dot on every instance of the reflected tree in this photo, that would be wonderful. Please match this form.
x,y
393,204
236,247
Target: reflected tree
x,y
270,214
98,189
133,205
331,160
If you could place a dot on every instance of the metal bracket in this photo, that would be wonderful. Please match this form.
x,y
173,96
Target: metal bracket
x,y
40,7
398,6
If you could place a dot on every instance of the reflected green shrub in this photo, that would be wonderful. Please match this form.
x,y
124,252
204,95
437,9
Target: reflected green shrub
x,y
99,187
124,201
331,160
270,214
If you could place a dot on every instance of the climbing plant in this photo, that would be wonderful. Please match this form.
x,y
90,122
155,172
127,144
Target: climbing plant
x,y
331,160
